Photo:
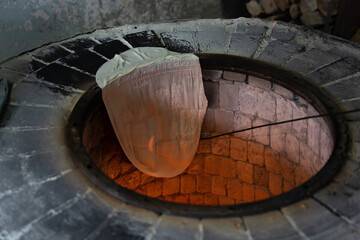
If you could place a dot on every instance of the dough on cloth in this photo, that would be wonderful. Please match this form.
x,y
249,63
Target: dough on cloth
x,y
156,103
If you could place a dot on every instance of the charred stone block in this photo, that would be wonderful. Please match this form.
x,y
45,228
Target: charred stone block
x,y
109,49
178,42
50,54
143,39
79,44
84,60
59,74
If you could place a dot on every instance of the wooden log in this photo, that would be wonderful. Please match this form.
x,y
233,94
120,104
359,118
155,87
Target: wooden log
x,y
254,8
313,19
279,16
356,37
294,11
282,4
347,20
269,6
324,5
308,6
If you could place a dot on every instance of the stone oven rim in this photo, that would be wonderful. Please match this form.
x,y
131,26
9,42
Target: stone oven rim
x,y
290,80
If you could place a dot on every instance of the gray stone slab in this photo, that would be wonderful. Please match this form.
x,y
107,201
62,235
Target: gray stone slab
x,y
115,230
278,52
328,225
10,174
29,116
24,64
346,49
246,39
354,150
103,35
355,135
353,180
177,228
337,70
349,173
30,141
346,89
32,92
129,223
227,229
139,214
212,38
25,205
310,60
351,105
270,225
283,33
44,165
75,220
341,199
11,76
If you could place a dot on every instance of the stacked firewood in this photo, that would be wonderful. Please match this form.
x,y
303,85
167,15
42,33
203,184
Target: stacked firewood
x,y
312,13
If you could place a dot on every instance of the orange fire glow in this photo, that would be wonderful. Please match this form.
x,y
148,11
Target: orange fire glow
x,y
151,144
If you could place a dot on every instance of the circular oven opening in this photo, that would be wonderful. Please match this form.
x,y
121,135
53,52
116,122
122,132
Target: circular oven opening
x,y
267,165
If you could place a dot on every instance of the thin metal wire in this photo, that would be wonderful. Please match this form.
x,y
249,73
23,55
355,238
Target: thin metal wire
x,y
282,122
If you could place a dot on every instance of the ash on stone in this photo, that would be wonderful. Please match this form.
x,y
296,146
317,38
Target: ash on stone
x,y
156,103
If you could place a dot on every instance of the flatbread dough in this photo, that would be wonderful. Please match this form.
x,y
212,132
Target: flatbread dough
x,y
156,103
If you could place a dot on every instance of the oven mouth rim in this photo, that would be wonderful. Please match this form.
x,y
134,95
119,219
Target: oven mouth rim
x,y
290,80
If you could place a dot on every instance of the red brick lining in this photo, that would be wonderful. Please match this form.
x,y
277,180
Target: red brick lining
x,y
244,167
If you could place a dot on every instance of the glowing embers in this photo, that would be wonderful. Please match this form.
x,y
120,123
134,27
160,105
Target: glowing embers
x,y
244,167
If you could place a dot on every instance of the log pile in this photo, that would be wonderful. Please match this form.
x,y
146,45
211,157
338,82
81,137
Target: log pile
x,y
311,13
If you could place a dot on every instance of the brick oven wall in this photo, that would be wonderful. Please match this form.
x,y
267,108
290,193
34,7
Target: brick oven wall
x,y
233,169
307,144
